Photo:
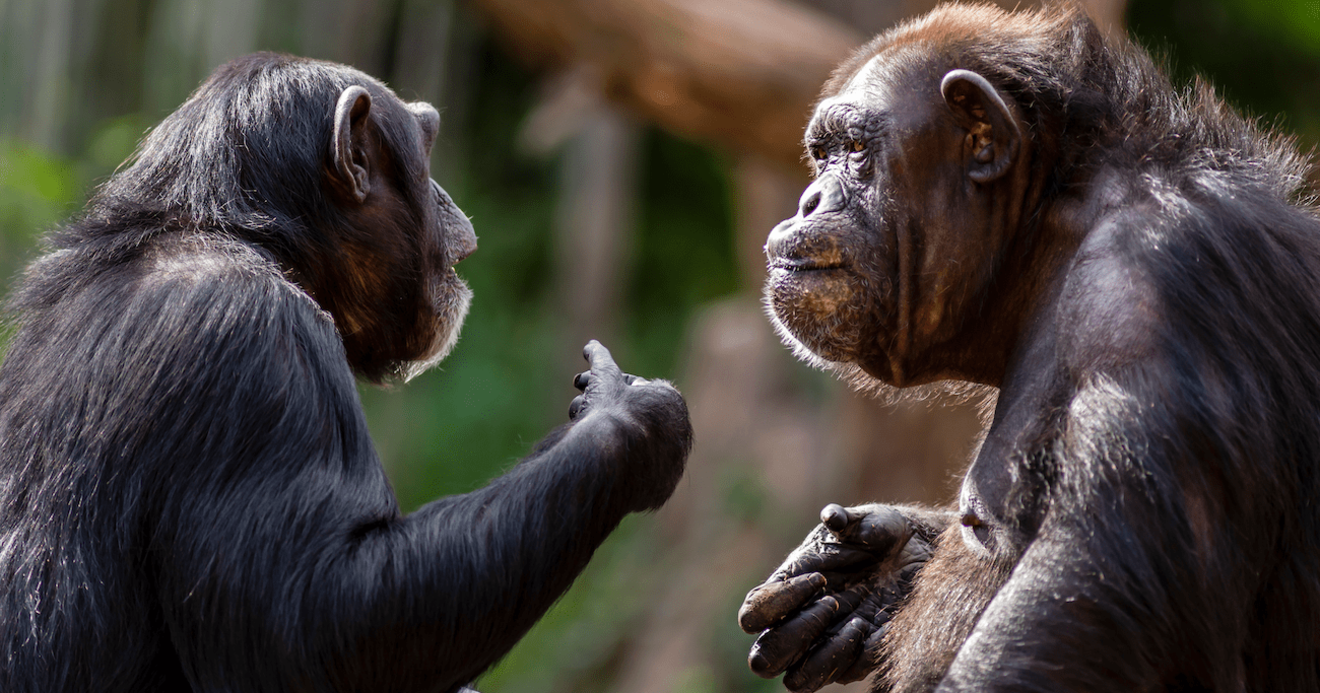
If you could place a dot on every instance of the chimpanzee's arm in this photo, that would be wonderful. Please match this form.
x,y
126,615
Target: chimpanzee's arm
x,y
283,557
1115,589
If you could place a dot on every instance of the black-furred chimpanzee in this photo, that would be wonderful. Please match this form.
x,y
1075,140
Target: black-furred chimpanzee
x,y
189,497
1016,202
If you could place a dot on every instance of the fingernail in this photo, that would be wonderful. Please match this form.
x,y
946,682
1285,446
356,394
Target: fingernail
x,y
835,517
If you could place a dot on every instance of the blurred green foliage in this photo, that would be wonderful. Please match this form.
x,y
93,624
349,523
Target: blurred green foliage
x,y
1264,57
36,190
1295,23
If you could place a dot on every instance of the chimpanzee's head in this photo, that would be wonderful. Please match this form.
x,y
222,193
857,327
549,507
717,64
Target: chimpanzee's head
x,y
328,171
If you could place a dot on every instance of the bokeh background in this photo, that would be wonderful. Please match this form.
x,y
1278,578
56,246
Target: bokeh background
x,y
622,161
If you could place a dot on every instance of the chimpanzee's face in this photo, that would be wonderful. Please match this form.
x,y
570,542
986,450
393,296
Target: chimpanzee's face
x,y
396,299
885,258
448,237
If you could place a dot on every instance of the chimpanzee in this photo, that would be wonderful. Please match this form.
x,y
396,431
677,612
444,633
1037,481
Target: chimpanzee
x,y
1016,202
189,497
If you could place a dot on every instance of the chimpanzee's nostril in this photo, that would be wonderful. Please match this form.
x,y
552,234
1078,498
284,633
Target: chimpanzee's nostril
x,y
810,204
824,195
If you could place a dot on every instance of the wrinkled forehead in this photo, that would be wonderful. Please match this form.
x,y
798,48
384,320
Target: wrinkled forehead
x,y
892,80
865,91
869,84
900,66
870,76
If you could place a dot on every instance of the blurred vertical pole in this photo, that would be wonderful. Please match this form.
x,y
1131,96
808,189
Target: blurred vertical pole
x,y
594,215
423,63
47,87
13,21
176,46
594,226
354,32
421,51
188,39
230,30
320,25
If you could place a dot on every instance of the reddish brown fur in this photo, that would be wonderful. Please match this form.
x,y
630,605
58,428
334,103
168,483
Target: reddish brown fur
x,y
925,633
951,27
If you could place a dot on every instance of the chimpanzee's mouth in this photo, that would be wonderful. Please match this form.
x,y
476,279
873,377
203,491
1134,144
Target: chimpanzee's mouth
x,y
805,265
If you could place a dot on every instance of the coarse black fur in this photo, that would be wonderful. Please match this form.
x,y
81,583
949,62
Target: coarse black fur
x,y
189,496
1153,327
1180,472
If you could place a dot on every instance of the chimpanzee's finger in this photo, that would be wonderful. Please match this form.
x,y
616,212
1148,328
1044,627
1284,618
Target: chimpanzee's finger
x,y
873,604
853,597
769,603
835,656
880,529
883,528
575,407
882,601
582,380
868,660
837,518
780,647
600,359
909,573
825,558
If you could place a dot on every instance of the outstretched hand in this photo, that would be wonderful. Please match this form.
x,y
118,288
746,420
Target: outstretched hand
x,y
822,613
647,418
602,385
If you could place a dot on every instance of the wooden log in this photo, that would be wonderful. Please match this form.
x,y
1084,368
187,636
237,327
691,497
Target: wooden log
x,y
742,74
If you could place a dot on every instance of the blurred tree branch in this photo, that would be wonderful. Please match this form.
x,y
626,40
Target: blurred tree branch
x,y
740,73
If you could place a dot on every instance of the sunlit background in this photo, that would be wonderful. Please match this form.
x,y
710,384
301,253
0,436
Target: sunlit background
x,y
622,161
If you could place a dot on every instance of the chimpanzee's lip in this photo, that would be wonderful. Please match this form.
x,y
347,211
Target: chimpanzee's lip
x,y
804,265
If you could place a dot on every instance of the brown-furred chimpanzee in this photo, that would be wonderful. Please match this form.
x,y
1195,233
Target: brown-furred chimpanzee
x,y
189,497
1016,202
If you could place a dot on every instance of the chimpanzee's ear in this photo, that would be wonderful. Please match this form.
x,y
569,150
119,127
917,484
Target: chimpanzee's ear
x,y
993,134
351,163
